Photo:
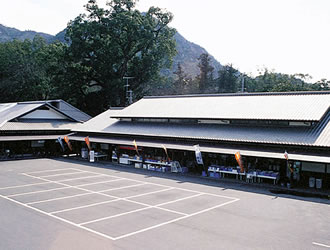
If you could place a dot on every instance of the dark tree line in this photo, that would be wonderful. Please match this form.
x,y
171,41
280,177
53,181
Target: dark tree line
x,y
104,46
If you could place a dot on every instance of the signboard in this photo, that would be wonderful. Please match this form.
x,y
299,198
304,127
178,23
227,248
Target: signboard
x,y
198,154
91,156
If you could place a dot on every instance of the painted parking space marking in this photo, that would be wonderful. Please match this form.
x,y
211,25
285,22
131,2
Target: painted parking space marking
x,y
56,199
52,170
25,185
321,245
70,173
37,192
170,215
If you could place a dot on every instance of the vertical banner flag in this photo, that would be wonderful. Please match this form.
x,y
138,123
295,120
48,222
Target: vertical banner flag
x,y
136,148
66,139
165,149
59,139
91,156
88,143
198,154
239,161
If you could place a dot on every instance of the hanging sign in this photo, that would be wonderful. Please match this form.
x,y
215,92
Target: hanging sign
x,y
198,154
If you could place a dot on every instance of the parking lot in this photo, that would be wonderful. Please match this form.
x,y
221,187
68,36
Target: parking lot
x,y
58,204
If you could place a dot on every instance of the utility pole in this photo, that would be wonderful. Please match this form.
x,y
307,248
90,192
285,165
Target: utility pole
x,y
242,89
129,93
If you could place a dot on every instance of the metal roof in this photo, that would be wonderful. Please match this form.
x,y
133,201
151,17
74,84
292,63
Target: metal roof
x,y
9,111
215,149
318,135
302,106
28,137
38,125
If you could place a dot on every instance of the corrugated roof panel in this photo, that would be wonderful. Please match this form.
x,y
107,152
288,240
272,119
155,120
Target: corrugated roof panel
x,y
304,106
312,136
38,125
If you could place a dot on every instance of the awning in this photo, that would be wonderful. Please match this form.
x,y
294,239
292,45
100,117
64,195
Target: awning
x,y
28,137
206,149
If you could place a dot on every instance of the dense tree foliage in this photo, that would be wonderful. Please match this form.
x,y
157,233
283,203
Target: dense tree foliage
x,y
108,44
29,69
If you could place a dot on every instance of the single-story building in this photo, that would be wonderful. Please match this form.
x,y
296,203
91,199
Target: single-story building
x,y
31,128
281,137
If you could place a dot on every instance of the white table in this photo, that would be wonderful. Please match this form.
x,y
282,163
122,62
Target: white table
x,y
268,177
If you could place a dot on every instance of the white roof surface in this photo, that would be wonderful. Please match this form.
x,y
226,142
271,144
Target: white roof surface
x,y
303,106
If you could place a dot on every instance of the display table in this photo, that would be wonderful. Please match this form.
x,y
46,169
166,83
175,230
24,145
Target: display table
x,y
99,156
260,177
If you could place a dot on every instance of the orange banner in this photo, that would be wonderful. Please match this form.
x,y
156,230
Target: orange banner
x,y
239,161
136,148
88,143
66,139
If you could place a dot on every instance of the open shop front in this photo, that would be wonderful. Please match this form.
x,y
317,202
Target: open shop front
x,y
218,162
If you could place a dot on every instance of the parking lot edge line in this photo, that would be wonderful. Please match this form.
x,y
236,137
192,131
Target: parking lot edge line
x,y
58,218
53,175
94,183
55,199
80,207
37,192
51,170
113,216
26,185
172,221
321,245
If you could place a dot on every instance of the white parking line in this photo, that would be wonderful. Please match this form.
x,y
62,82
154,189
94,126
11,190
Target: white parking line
x,y
80,207
60,198
321,245
183,189
113,216
147,207
58,218
100,182
37,192
70,173
174,220
26,185
152,192
78,178
127,199
118,188
52,170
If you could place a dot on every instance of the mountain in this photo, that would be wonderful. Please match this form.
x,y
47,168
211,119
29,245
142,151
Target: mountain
x,y
187,55
9,34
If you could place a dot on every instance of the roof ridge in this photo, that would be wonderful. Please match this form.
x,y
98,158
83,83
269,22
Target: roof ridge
x,y
243,94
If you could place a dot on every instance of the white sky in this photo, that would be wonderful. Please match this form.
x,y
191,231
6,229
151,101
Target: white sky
x,y
290,36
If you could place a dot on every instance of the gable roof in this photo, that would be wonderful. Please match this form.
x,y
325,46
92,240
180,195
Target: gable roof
x,y
10,111
299,106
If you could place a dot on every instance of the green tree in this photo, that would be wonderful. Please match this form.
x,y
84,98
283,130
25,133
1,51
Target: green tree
x,y
205,77
108,44
227,81
29,69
